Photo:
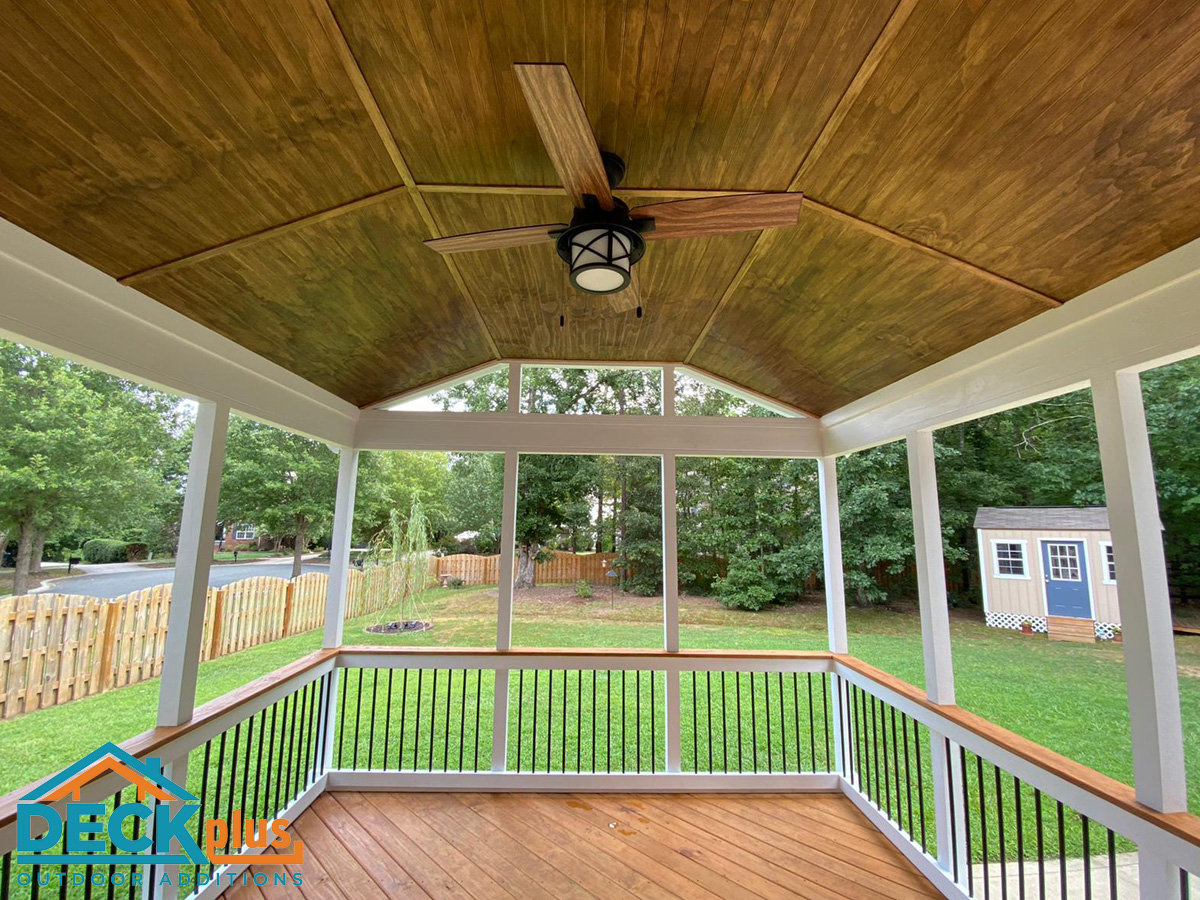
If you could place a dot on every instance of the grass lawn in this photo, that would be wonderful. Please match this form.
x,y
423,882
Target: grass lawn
x,y
1069,697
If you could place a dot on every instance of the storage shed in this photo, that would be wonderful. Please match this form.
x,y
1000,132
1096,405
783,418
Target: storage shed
x,y
1051,566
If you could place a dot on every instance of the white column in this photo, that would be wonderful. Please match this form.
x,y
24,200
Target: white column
x,y
831,544
668,391
670,551
935,622
504,611
835,589
339,551
1146,625
189,590
931,568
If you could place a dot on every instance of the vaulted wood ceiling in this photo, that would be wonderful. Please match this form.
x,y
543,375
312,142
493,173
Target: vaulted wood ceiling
x,y
270,168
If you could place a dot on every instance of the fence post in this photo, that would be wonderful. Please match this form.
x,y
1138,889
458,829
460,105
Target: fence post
x,y
285,630
218,618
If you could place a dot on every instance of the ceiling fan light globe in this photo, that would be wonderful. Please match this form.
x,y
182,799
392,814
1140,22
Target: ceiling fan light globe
x,y
600,278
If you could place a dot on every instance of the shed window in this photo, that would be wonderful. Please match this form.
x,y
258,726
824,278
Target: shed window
x,y
1110,564
243,532
1010,559
1064,562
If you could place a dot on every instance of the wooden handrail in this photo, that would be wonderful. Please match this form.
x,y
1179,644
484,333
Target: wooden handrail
x,y
148,742
1183,825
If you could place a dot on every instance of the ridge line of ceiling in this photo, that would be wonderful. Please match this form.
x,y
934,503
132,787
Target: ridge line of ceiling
x,y
371,106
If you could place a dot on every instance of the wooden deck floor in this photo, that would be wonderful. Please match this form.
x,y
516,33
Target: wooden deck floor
x,y
368,846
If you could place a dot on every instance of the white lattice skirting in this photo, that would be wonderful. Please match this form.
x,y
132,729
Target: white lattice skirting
x,y
1013,621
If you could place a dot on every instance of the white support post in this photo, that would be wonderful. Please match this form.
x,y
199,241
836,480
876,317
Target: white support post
x,y
668,392
935,621
831,543
504,608
670,551
1150,675
339,551
189,591
835,589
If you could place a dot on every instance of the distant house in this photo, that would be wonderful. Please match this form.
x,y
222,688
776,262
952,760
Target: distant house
x,y
1052,566
238,536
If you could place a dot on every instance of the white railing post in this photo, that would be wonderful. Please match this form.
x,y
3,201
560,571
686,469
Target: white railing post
x,y
1151,680
935,623
189,590
504,608
339,551
670,552
835,588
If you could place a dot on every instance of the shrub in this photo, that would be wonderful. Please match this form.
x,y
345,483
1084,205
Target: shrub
x,y
104,550
136,551
583,588
745,586
456,582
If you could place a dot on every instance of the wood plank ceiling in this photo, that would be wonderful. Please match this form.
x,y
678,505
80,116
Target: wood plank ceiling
x,y
270,169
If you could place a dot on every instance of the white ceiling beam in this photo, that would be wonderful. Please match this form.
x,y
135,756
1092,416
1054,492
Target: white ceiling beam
x,y
620,435
53,301
1147,317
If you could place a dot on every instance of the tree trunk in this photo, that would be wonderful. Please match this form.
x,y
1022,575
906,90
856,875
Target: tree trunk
x,y
527,567
25,541
298,549
37,551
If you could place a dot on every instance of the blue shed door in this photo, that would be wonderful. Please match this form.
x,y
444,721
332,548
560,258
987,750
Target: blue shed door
x,y
1067,589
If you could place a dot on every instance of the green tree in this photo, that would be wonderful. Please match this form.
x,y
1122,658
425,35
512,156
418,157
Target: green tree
x,y
80,451
280,481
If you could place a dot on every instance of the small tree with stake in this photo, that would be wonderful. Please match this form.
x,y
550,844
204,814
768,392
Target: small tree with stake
x,y
403,547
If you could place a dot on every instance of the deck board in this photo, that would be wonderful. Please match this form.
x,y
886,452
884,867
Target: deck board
x,y
415,846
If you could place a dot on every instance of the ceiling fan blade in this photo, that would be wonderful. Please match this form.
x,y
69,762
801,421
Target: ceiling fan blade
x,y
563,124
495,240
719,215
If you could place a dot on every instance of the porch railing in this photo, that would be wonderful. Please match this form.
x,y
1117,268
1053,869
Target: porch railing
x,y
981,812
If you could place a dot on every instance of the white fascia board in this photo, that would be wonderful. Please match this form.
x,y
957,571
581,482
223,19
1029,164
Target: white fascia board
x,y
53,301
621,435
1142,319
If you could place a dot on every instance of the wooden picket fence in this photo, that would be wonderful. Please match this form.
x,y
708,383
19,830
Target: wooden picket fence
x,y
563,568
60,647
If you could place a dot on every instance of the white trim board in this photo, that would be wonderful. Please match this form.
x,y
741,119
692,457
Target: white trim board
x,y
51,300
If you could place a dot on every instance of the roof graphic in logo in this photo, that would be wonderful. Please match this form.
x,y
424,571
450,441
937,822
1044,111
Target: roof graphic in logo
x,y
146,776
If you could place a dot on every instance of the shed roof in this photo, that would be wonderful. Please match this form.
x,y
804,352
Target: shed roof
x,y
1048,518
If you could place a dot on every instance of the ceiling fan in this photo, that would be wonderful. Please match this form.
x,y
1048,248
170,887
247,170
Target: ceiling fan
x,y
605,238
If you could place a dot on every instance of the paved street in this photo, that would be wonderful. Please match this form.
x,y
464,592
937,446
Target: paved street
x,y
115,584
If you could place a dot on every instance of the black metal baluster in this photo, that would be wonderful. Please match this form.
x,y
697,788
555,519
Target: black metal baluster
x,y
695,755
1020,837
357,720
1000,836
921,780
954,862
907,778
595,675
767,707
653,725
1062,852
637,690
783,723
1112,867
478,701
246,761
446,736
1087,858
858,735
883,743
203,794
374,710
896,762
579,720
724,727
825,721
812,728
962,760
708,705
563,765
272,779
292,747
608,686
237,735
520,715
262,733
738,679
417,717
983,825
387,720
753,722
1041,842
323,727
433,706
796,722
137,831
875,745
533,752
112,850
403,722
462,721
549,718
624,739
341,719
